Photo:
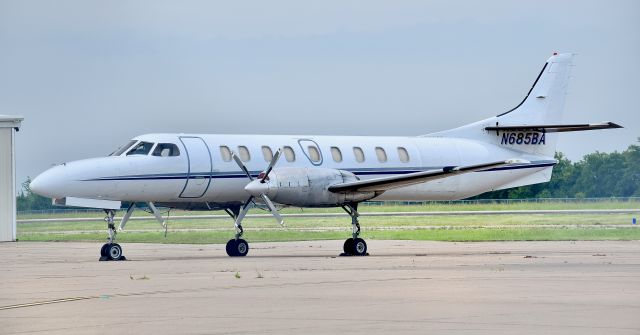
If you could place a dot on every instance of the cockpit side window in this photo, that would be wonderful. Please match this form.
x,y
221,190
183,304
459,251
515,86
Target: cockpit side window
x,y
123,148
141,148
166,150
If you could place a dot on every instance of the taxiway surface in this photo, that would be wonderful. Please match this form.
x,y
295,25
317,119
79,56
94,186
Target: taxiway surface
x,y
403,287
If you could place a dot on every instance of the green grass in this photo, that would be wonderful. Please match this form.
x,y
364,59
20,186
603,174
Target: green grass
x,y
511,227
427,207
511,234
338,222
442,234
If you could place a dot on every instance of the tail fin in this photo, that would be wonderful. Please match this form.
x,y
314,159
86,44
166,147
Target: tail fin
x,y
543,104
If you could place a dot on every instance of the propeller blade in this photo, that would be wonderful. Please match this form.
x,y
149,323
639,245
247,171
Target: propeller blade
x,y
273,162
272,208
241,165
244,209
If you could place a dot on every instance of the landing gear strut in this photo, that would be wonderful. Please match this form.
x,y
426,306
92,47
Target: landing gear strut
x,y
111,251
237,247
354,246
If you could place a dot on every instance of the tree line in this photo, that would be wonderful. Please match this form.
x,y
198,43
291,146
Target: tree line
x,y
596,175
27,200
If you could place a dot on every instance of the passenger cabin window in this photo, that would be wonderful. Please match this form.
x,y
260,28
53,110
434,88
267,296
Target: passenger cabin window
x,y
381,154
267,153
357,151
289,154
403,154
166,150
245,156
225,152
336,154
141,148
314,154
123,148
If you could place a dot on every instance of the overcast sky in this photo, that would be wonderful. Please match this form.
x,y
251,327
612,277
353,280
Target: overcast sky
x,y
89,75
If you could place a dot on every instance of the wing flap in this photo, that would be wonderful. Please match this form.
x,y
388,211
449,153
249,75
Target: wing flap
x,y
387,183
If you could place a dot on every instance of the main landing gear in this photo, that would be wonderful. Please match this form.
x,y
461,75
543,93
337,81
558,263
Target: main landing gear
x,y
237,247
111,251
354,246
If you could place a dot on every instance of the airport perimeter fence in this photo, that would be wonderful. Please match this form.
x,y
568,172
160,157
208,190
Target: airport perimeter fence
x,y
388,203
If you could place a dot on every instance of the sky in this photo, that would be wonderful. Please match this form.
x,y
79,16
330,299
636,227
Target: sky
x,y
89,75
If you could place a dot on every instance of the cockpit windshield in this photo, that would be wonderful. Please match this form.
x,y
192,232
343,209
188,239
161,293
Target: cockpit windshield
x,y
141,148
166,150
123,148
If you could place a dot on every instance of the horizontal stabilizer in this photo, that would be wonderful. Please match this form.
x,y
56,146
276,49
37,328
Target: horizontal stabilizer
x,y
556,128
387,183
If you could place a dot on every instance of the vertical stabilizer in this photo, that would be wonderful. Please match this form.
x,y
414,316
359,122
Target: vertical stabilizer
x,y
543,105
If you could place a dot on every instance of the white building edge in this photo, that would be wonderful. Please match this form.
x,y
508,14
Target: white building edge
x,y
9,124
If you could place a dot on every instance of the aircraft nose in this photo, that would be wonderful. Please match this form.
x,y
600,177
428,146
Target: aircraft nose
x,y
36,185
255,188
48,183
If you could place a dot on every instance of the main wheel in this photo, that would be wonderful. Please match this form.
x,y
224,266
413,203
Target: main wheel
x,y
114,251
242,248
103,250
359,247
231,248
348,246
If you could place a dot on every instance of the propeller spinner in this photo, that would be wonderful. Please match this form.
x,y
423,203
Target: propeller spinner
x,y
258,188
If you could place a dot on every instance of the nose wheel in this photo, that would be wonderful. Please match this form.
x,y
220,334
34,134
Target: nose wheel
x,y
111,251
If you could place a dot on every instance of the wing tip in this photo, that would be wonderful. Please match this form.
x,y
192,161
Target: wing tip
x,y
614,125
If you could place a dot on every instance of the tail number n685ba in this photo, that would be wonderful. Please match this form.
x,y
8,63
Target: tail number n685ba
x,y
527,138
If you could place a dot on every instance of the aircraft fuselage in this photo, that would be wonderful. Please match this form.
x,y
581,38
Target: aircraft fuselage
x,y
201,170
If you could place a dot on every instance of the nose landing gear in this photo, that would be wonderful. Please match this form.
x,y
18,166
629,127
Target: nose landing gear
x,y
111,251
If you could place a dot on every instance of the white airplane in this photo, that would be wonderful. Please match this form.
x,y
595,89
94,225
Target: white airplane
x,y
233,172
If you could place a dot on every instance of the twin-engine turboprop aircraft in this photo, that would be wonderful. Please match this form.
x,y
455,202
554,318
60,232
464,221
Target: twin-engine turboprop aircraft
x,y
233,172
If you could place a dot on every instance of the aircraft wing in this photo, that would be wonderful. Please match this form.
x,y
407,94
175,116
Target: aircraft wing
x,y
556,128
387,183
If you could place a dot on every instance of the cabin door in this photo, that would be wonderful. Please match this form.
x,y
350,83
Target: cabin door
x,y
198,169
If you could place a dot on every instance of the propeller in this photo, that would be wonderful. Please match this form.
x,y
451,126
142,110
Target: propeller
x,y
270,167
241,165
256,188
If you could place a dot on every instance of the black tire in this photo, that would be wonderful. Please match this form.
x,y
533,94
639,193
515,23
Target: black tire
x,y
359,247
114,251
231,248
103,250
242,248
348,246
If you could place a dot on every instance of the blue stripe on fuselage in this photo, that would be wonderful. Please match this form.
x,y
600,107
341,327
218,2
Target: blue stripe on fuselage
x,y
358,172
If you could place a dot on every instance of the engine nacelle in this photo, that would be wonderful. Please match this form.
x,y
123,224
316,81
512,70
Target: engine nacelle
x,y
308,187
